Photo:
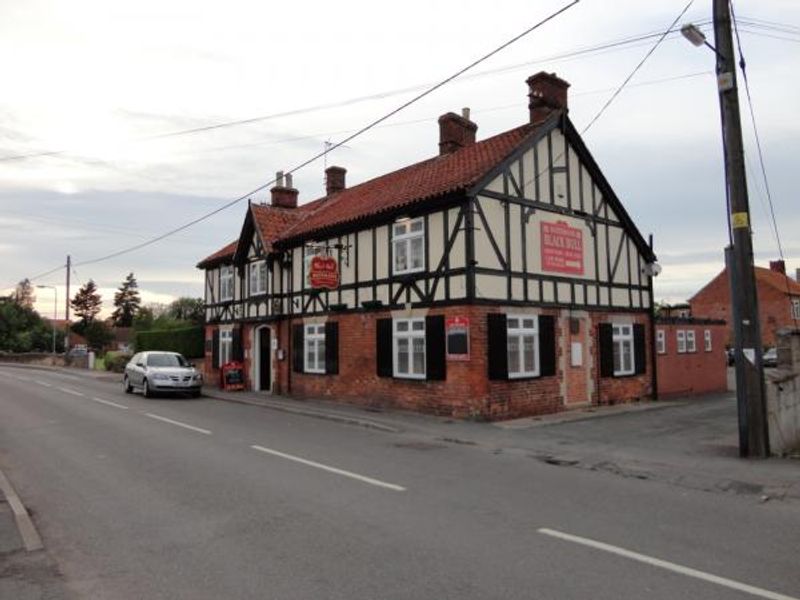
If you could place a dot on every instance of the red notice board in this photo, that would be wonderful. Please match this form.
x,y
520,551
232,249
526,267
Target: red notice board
x,y
562,248
457,331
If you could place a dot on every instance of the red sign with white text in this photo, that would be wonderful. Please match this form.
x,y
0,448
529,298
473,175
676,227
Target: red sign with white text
x,y
457,330
562,248
323,272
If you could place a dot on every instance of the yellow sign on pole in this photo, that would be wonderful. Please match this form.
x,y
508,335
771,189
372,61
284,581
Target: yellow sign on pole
x,y
740,220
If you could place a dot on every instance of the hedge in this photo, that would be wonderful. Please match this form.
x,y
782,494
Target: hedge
x,y
189,341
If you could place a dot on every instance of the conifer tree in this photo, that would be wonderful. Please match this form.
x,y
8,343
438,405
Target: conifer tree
x,y
126,302
87,302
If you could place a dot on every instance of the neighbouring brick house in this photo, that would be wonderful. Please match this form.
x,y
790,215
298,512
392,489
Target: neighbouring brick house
x,y
778,301
690,356
501,278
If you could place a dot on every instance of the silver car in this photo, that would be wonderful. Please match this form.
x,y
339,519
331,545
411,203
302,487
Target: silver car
x,y
156,372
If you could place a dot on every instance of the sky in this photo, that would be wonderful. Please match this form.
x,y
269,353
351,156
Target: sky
x,y
90,88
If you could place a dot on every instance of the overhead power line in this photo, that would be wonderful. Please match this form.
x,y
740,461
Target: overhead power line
x,y
628,41
649,53
349,138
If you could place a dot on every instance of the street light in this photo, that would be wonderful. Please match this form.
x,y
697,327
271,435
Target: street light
x,y
750,393
55,310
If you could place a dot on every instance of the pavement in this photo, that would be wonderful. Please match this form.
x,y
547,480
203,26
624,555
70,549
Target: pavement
x,y
204,499
689,442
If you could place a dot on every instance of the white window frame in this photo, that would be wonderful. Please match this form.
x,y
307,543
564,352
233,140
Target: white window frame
x,y
226,283
225,346
405,239
622,338
707,340
258,277
680,336
313,339
661,341
410,333
519,332
795,308
691,342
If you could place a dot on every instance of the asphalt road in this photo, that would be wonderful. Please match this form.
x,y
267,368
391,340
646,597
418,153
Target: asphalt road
x,y
195,499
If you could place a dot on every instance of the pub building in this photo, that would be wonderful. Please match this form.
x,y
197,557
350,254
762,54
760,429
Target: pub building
x,y
501,278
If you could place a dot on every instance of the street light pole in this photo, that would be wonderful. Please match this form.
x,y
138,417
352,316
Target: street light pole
x,y
750,393
750,396
55,311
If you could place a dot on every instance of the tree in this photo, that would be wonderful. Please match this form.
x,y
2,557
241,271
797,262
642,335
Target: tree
x,y
98,335
126,302
23,330
24,295
188,309
86,304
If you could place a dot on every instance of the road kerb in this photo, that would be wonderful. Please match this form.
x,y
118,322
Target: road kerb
x,y
27,530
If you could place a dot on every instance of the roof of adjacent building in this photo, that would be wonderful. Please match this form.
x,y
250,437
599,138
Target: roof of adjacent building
x,y
779,281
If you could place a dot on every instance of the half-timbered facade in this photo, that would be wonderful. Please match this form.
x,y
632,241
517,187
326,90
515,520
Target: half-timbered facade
x,y
501,278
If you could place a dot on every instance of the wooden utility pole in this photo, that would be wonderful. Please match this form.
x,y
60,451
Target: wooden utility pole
x,y
66,312
750,396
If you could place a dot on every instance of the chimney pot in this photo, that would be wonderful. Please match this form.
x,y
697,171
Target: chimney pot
x,y
455,131
334,179
779,266
797,275
284,196
547,92
465,112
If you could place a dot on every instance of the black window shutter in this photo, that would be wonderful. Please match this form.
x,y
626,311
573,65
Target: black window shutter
x,y
435,348
297,348
547,346
215,349
383,347
639,355
606,335
332,348
497,337
236,345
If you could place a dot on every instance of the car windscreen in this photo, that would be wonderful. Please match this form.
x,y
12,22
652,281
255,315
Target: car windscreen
x,y
166,360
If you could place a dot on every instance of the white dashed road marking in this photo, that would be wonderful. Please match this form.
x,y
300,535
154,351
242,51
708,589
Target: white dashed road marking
x,y
44,383
178,423
669,566
109,403
69,391
311,463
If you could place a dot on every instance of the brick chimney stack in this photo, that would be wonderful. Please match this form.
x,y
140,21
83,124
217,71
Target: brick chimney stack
x,y
547,92
455,131
284,195
334,179
778,266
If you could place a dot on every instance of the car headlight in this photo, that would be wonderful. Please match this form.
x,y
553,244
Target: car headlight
x,y
160,376
198,377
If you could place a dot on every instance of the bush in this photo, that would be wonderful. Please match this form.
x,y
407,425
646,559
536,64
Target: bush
x,y
188,341
116,361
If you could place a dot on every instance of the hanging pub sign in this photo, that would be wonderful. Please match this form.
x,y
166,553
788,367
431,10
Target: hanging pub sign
x,y
562,248
457,331
323,272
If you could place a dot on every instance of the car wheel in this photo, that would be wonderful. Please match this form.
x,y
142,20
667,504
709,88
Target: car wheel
x,y
146,389
126,385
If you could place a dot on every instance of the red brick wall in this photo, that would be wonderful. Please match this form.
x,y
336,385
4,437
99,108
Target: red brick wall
x,y
467,392
774,308
619,390
689,373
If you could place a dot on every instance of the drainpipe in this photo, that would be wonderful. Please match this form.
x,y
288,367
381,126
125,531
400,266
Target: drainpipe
x,y
652,315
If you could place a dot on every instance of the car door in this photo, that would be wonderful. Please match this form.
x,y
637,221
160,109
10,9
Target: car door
x,y
136,370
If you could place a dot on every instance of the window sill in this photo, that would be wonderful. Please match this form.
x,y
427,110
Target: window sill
x,y
314,373
409,272
409,377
